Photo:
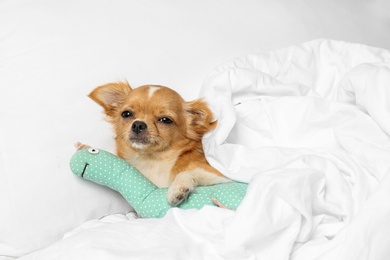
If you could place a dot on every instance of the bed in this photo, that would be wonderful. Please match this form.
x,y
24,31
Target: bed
x,y
301,93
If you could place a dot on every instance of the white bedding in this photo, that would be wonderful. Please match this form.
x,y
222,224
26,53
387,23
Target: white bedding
x,y
308,126
54,52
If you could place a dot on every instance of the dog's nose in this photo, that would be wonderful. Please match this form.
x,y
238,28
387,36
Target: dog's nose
x,y
138,127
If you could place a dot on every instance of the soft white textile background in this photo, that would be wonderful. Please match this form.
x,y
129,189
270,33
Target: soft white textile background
x,y
52,53
323,193
307,125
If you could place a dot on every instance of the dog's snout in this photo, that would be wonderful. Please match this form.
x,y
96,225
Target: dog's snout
x,y
138,127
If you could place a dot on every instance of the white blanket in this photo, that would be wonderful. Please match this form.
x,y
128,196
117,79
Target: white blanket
x,y
308,127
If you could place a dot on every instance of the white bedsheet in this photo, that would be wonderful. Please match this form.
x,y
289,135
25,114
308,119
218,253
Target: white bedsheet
x,y
308,126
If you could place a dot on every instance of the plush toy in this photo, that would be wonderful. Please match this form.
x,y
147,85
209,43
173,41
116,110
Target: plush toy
x,y
147,199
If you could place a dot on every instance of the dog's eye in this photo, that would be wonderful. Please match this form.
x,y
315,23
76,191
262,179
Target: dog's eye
x,y
165,120
126,114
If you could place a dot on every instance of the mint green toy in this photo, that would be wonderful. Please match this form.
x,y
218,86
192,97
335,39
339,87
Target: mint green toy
x,y
147,199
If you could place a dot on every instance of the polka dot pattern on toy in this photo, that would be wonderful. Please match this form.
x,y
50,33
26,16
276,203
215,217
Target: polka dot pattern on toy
x,y
147,199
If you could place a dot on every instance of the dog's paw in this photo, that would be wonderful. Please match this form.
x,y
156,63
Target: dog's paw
x,y
177,194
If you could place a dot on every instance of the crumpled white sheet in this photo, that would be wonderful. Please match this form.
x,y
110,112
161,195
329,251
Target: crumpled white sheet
x,y
308,127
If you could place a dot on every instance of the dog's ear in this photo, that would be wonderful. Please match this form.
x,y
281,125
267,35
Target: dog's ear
x,y
199,119
110,96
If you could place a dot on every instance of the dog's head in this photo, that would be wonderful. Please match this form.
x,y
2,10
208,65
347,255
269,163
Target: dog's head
x,y
151,118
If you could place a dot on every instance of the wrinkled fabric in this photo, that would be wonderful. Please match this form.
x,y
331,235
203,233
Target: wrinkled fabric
x,y
308,128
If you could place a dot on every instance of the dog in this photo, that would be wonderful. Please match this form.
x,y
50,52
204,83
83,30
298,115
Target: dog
x,y
160,134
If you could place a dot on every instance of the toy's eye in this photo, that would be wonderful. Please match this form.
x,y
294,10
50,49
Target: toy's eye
x,y
165,120
126,114
93,150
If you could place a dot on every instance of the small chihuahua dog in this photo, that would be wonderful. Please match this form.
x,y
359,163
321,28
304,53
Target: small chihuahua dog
x,y
161,135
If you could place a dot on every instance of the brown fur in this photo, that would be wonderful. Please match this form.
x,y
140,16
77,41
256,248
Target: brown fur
x,y
162,151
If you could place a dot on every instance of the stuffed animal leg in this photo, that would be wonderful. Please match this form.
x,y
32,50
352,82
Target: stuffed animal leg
x,y
147,199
